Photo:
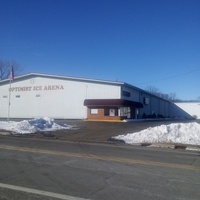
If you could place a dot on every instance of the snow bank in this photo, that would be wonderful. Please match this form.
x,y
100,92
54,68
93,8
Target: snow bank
x,y
32,126
182,133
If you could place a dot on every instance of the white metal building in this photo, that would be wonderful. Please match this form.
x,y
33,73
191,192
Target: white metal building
x,y
193,108
39,95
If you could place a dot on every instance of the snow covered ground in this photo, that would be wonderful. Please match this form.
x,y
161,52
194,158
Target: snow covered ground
x,y
32,126
181,133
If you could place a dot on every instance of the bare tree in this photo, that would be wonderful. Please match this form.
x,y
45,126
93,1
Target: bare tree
x,y
153,90
5,67
172,96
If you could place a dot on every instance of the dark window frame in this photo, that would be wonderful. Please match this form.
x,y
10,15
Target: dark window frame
x,y
126,93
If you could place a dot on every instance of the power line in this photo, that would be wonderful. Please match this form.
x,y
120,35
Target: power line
x,y
171,77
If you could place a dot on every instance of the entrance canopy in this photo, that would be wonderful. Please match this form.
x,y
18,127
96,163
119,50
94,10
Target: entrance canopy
x,y
112,102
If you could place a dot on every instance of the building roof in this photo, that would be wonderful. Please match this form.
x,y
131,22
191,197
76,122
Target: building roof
x,y
33,75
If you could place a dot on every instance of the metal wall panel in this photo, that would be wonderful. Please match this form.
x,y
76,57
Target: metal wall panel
x,y
193,108
56,98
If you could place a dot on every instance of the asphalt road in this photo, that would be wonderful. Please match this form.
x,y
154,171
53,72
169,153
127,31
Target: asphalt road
x,y
32,168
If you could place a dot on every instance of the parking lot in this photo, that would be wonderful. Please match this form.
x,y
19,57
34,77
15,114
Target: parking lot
x,y
91,131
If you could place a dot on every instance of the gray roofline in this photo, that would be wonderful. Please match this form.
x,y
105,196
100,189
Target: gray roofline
x,y
63,77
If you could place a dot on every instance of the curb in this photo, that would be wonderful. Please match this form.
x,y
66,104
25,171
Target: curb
x,y
4,133
173,146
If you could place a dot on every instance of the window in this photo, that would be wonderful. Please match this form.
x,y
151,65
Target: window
x,y
94,111
17,96
37,95
111,111
5,96
125,112
126,93
106,111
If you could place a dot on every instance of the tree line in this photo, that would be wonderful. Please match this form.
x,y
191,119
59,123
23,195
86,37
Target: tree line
x,y
170,97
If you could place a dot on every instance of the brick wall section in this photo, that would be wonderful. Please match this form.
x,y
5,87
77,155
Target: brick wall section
x,y
100,115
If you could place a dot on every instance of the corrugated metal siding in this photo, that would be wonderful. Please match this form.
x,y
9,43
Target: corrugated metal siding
x,y
193,108
50,101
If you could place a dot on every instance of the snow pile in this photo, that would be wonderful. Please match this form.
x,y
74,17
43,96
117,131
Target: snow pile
x,y
182,133
32,126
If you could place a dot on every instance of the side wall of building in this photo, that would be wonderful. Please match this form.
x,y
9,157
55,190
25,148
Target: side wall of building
x,y
155,106
193,108
56,98
151,104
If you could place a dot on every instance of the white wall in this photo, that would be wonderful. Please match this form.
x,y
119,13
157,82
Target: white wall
x,y
56,98
193,108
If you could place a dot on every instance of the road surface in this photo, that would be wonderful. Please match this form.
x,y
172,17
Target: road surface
x,y
33,169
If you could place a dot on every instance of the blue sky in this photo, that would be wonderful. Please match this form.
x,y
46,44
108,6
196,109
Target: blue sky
x,y
141,42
